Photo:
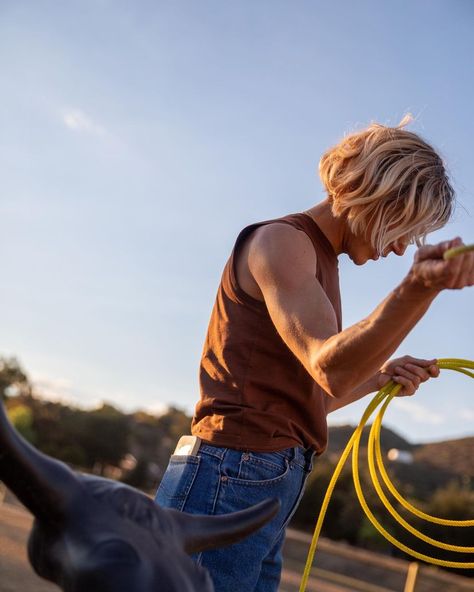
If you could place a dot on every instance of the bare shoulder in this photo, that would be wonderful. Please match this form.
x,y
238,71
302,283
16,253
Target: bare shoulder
x,y
280,242
282,251
272,253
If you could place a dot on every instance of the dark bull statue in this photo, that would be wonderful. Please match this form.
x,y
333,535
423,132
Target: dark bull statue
x,y
95,535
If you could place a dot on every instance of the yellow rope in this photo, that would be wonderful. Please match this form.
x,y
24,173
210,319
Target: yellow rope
x,y
382,399
455,251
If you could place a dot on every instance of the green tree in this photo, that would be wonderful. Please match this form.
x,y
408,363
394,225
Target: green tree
x,y
103,434
21,417
12,378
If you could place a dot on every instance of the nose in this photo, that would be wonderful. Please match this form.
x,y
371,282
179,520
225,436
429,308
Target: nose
x,y
399,248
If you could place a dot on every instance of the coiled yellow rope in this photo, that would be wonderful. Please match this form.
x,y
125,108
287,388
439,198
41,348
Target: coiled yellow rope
x,y
382,399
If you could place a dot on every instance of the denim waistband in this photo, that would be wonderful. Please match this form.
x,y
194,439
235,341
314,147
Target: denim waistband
x,y
298,455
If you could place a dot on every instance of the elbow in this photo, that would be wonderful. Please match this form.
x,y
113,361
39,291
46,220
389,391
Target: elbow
x,y
330,380
331,371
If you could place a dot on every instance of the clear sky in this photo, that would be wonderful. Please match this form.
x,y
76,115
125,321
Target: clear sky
x,y
138,138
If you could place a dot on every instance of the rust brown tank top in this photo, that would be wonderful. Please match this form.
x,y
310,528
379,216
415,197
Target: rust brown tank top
x,y
255,393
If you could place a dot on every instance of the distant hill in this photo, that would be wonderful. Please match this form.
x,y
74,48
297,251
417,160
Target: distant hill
x,y
434,465
453,455
339,437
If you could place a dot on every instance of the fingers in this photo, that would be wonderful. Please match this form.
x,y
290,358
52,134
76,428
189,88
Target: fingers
x,y
433,371
409,387
383,379
416,361
436,251
410,380
412,372
466,273
404,360
434,271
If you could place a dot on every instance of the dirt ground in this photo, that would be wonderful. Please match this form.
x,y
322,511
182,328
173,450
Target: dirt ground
x,y
16,574
340,568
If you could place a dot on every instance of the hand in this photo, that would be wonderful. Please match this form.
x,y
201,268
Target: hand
x,y
409,372
430,270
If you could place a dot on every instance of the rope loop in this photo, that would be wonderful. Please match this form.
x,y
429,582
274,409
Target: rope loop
x,y
382,399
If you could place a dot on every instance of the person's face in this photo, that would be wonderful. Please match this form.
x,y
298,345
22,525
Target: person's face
x,y
398,247
361,250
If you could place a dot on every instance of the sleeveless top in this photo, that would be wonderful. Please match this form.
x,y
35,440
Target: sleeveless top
x,y
255,393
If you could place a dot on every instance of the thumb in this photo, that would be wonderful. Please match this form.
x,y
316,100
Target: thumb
x,y
383,379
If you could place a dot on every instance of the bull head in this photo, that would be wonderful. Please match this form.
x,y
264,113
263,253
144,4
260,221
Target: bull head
x,y
98,535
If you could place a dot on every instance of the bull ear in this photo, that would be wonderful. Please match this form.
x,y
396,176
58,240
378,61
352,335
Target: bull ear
x,y
44,485
208,532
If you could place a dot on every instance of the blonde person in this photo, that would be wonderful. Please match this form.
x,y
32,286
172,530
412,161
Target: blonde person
x,y
276,360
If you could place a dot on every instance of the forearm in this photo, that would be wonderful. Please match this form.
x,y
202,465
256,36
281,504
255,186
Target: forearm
x,y
347,360
367,387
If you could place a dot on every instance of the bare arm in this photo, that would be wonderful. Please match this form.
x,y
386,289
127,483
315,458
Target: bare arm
x,y
367,387
408,371
282,261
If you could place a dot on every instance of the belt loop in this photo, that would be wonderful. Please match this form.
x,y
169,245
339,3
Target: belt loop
x,y
309,456
295,454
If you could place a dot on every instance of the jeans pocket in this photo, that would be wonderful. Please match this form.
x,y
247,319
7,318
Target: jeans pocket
x,y
297,501
177,481
255,468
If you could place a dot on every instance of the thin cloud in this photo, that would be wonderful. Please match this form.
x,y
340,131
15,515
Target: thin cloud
x,y
418,412
60,390
466,414
127,402
155,408
343,420
77,121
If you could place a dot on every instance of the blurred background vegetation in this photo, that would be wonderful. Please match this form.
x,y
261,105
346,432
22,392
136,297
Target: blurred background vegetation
x,y
135,448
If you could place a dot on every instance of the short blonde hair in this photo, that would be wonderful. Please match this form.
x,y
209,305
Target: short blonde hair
x,y
389,183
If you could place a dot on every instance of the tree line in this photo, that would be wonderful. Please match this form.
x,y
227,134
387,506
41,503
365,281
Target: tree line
x,y
134,448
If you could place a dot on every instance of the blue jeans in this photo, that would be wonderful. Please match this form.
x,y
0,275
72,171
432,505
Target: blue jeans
x,y
221,480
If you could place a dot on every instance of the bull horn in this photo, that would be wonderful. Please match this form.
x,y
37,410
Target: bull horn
x,y
44,485
207,532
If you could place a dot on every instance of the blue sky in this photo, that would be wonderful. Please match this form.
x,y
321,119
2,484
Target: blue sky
x,y
137,139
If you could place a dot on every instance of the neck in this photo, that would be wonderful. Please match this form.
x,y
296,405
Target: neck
x,y
333,228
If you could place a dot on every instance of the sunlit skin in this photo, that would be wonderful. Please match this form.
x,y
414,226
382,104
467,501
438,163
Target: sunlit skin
x,y
358,248
276,265
362,252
